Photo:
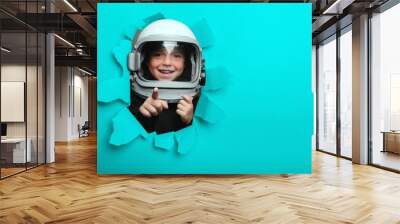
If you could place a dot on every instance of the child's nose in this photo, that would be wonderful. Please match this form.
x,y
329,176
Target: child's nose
x,y
167,60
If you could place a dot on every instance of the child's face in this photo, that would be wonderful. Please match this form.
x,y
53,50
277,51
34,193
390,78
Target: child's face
x,y
166,65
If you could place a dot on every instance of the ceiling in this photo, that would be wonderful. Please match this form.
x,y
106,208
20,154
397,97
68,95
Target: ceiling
x,y
76,22
72,20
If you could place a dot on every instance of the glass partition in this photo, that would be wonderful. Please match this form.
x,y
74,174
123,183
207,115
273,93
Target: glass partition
x,y
32,95
22,67
385,89
14,153
346,93
327,95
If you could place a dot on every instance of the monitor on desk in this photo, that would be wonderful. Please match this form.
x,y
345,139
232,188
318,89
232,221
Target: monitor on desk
x,y
3,130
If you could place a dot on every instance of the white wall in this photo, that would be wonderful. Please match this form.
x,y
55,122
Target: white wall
x,y
12,73
71,94
61,103
79,112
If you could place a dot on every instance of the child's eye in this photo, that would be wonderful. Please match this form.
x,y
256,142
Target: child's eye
x,y
178,55
157,55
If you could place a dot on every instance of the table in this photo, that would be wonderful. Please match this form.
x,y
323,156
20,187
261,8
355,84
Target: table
x,y
15,148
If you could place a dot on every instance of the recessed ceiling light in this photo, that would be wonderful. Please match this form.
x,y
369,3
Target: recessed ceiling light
x,y
64,40
337,7
84,71
70,5
5,50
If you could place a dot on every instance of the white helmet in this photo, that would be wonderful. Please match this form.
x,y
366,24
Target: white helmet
x,y
166,55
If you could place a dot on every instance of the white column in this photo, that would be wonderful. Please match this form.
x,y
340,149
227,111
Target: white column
x,y
50,100
50,93
360,90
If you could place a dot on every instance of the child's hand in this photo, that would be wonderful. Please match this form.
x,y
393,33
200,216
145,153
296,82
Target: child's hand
x,y
185,109
153,106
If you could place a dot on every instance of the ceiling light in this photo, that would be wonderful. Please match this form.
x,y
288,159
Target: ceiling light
x,y
84,71
5,50
70,5
64,40
337,7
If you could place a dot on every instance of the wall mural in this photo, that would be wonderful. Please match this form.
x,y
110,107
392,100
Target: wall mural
x,y
204,88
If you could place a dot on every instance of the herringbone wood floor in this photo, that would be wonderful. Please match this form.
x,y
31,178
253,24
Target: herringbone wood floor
x,y
70,191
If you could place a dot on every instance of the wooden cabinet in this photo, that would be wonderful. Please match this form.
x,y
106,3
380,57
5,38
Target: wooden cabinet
x,y
391,142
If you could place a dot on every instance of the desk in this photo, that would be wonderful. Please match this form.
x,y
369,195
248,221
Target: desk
x,y
15,148
391,141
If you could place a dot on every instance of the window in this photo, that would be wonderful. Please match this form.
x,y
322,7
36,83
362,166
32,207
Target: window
x,y
385,88
346,92
327,95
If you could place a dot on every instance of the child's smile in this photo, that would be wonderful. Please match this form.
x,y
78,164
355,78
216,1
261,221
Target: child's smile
x,y
166,73
166,65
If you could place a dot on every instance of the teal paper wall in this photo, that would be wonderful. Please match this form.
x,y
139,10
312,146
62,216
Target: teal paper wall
x,y
255,115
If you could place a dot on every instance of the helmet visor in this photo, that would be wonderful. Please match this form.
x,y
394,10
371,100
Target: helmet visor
x,y
168,61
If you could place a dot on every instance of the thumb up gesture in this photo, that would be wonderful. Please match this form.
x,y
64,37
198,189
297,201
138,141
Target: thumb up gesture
x,y
185,109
